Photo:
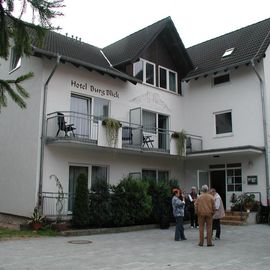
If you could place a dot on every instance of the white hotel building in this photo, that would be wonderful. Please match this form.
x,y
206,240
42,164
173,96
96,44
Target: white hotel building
x,y
216,91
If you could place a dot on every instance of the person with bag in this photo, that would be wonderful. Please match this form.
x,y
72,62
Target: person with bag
x,y
219,213
178,205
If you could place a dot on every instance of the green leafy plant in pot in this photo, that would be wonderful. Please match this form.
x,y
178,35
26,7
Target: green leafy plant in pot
x,y
36,219
112,128
180,138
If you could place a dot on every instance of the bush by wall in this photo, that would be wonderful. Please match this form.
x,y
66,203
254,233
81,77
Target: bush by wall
x,y
131,203
100,212
81,203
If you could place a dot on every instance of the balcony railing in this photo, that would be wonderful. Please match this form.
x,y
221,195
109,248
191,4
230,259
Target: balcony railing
x,y
74,126
49,204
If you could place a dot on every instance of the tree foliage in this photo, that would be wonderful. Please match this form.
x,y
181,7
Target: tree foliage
x,y
12,27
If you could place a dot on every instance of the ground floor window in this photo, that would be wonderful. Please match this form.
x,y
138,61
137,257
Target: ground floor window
x,y
94,173
157,175
234,177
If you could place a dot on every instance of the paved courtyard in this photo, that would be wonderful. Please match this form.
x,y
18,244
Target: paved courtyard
x,y
243,247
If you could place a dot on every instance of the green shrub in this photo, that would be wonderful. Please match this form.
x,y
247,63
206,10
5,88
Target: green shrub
x,y
130,202
100,212
81,203
160,193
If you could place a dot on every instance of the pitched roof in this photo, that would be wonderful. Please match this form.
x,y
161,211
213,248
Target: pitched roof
x,y
77,53
128,49
249,43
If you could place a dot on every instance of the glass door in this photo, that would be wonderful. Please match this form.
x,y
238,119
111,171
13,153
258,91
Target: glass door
x,y
74,172
81,111
163,132
135,119
202,179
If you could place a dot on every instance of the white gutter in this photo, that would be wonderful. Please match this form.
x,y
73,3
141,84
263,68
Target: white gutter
x,y
43,132
265,127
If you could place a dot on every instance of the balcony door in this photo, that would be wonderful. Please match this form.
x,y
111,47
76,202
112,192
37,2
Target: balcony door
x,y
163,134
80,113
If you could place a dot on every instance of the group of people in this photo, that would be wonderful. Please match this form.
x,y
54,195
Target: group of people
x,y
205,209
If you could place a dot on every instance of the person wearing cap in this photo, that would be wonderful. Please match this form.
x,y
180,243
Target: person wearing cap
x,y
178,205
192,197
205,209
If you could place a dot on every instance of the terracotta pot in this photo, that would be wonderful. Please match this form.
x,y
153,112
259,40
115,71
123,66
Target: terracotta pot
x,y
36,226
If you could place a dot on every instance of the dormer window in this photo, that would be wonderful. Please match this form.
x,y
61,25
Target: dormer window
x,y
228,52
167,79
15,61
145,71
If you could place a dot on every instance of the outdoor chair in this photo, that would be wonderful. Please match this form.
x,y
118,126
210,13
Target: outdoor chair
x,y
63,126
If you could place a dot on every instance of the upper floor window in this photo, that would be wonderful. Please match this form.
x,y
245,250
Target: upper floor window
x,y
221,79
167,79
223,122
145,71
15,60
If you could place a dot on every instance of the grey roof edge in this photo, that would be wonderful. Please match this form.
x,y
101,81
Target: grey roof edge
x,y
228,149
225,68
113,73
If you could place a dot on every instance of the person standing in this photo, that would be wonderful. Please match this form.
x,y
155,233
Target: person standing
x,y
178,205
219,213
192,197
205,209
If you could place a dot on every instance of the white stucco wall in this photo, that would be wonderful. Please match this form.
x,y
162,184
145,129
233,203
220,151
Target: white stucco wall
x,y
19,143
241,95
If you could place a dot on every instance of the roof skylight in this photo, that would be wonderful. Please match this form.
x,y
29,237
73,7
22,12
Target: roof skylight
x,y
228,52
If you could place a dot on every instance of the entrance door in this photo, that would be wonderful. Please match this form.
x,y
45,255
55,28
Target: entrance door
x,y
217,180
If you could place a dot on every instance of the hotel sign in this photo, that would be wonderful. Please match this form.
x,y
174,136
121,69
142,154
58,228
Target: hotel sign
x,y
93,89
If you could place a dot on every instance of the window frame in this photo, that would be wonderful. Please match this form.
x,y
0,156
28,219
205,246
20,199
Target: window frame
x,y
157,171
144,62
225,134
168,79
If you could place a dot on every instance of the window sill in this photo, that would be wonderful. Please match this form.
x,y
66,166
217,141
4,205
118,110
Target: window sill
x,y
224,135
162,89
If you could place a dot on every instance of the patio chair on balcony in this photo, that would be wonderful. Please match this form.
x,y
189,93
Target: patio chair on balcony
x,y
63,126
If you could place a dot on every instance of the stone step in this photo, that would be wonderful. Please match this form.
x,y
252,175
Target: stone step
x,y
235,213
236,218
232,222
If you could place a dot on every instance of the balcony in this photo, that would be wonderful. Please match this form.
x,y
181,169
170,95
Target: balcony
x,y
72,127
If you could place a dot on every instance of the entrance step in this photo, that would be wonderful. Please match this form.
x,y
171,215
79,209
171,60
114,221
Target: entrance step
x,y
234,218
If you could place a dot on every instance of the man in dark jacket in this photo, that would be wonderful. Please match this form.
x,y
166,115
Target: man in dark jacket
x,y
205,209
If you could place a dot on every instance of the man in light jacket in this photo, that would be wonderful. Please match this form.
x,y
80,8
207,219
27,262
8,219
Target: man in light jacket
x,y
205,209
219,213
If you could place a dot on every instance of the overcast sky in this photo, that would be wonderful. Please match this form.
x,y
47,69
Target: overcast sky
x,y
102,22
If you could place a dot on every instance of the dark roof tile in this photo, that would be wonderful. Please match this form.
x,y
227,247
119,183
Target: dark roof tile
x,y
249,43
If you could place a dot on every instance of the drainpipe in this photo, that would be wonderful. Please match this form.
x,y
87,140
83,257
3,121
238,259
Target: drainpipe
x,y
43,131
265,127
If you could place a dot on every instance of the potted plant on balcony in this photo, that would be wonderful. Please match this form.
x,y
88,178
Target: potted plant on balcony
x,y
112,128
36,219
180,138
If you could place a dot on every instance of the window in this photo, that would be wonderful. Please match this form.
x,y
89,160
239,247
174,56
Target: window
x,y
234,179
149,121
97,174
145,71
228,52
223,122
167,79
221,79
101,108
15,60
155,175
